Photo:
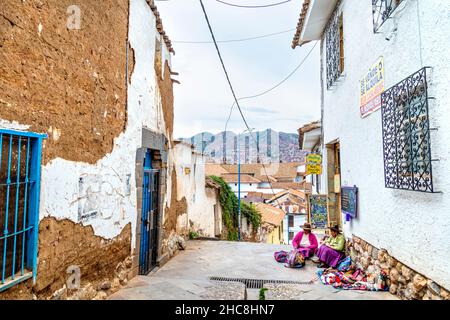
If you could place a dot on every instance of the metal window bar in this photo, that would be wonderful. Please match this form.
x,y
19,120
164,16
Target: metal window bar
x,y
334,48
20,161
406,135
382,11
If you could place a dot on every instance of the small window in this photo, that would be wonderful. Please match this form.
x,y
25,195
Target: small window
x,y
20,171
406,135
334,39
291,235
382,10
291,221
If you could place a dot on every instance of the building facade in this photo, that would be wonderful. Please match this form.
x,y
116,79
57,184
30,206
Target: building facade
x,y
88,182
384,109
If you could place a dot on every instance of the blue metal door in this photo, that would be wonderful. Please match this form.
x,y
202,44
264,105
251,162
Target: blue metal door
x,y
149,218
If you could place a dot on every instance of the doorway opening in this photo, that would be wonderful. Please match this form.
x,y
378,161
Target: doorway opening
x,y
334,183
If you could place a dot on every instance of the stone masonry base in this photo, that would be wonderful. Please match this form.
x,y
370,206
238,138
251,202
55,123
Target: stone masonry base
x,y
402,280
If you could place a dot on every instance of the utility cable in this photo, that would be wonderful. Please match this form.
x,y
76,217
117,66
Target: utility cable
x,y
233,92
274,87
253,7
238,40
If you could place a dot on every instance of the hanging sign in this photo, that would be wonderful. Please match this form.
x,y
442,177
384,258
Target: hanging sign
x,y
349,201
313,164
371,87
318,212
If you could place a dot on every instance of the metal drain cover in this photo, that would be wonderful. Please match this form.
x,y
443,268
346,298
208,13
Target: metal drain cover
x,y
257,283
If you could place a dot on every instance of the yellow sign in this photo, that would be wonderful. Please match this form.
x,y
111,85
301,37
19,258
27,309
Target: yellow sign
x,y
371,87
313,164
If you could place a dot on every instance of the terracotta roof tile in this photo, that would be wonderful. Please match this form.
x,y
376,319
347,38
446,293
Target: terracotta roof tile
x,y
270,214
159,26
233,178
300,25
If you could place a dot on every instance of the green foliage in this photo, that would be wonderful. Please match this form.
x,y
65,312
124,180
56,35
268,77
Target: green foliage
x,y
193,235
229,204
251,213
262,293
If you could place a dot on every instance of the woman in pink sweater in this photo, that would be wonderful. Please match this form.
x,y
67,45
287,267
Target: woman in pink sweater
x,y
305,241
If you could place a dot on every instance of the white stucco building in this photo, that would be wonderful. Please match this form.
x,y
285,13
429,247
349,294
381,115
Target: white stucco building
x,y
204,212
385,112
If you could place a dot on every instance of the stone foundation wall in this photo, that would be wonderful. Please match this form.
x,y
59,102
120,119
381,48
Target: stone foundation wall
x,y
402,280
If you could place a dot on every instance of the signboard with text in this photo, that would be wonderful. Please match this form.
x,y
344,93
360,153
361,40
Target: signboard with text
x,y
313,164
371,87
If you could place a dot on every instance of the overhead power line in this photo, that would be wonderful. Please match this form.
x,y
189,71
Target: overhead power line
x,y
223,64
234,94
272,88
253,7
239,40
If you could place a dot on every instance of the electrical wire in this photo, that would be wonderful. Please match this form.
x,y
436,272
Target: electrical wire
x,y
253,7
274,87
233,92
238,40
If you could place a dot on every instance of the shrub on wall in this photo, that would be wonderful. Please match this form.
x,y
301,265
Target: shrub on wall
x,y
229,204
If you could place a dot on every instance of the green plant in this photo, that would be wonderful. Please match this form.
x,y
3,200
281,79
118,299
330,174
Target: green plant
x,y
262,293
193,235
229,204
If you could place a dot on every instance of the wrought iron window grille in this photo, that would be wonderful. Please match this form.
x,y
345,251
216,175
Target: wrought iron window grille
x,y
382,10
334,38
406,135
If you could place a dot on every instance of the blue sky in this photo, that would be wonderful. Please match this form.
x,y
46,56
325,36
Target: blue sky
x,y
203,99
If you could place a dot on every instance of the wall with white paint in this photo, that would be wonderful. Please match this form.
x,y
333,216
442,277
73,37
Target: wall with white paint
x,y
245,188
414,227
299,220
190,168
104,195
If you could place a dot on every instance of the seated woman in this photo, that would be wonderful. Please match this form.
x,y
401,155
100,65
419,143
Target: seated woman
x,y
332,249
305,241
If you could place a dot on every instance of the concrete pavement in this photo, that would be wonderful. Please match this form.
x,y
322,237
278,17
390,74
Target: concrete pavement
x,y
186,276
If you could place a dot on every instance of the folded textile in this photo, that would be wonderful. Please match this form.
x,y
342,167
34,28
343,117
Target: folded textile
x,y
352,280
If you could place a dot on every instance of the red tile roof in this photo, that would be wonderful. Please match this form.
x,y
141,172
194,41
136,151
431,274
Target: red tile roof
x,y
270,214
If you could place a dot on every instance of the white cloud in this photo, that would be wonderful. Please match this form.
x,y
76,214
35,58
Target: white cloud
x,y
203,99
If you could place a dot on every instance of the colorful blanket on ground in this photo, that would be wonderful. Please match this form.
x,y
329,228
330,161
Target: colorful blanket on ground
x,y
293,259
345,278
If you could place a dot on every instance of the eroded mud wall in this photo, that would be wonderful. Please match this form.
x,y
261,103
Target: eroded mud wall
x,y
73,86
67,82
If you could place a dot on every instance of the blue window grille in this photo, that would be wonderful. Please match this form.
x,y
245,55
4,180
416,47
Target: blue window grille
x,y
20,174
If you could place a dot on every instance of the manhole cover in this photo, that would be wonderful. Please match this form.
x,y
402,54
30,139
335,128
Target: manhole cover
x,y
257,283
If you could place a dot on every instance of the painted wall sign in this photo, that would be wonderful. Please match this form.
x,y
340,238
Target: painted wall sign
x,y
318,212
313,164
349,201
371,87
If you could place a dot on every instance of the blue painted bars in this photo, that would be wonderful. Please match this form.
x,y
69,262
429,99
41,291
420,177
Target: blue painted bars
x,y
18,259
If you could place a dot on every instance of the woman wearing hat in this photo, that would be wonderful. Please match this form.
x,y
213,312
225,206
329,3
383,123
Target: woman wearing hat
x,y
332,250
305,241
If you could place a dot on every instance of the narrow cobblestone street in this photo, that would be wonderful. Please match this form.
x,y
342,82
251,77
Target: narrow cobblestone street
x,y
186,276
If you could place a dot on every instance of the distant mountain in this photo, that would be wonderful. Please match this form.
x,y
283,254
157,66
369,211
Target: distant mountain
x,y
273,146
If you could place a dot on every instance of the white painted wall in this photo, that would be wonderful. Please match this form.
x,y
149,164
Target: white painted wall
x,y
191,185
299,220
245,188
109,186
414,227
